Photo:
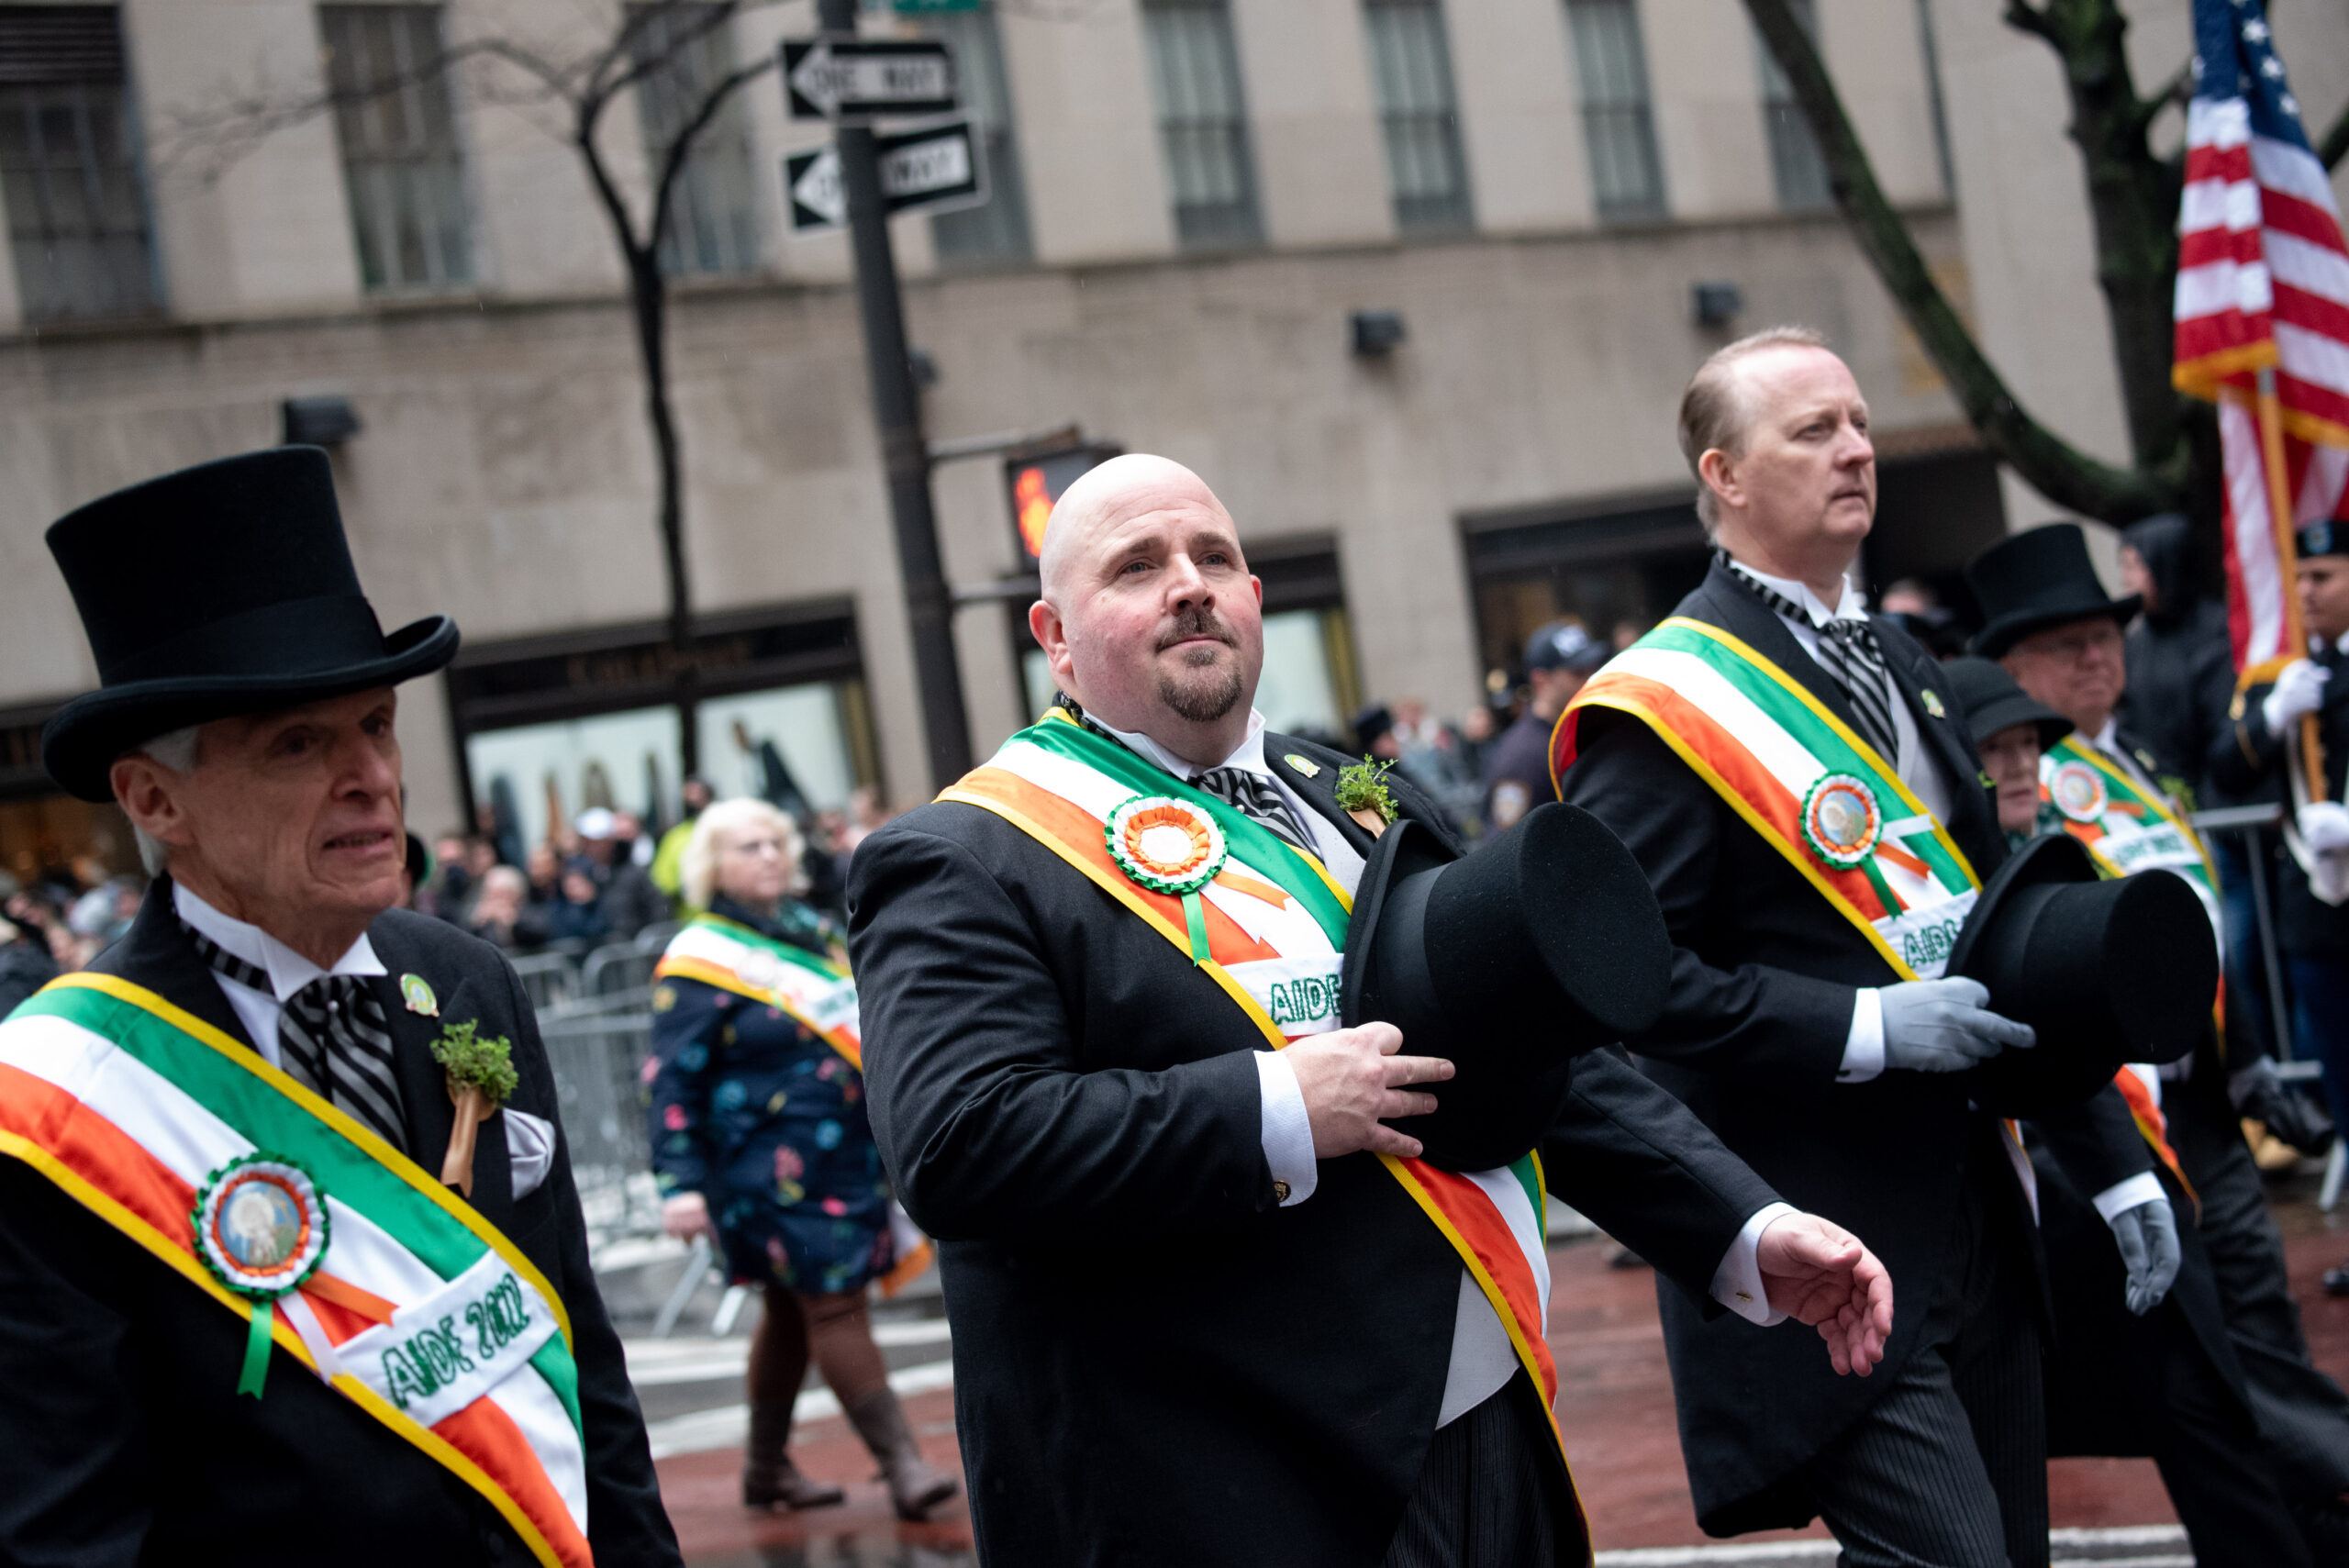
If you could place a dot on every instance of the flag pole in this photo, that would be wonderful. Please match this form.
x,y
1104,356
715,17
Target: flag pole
x,y
2288,558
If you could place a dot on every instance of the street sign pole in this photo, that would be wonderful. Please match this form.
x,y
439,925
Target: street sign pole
x,y
897,412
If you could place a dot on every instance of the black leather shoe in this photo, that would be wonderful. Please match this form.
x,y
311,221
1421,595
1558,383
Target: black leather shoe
x,y
2295,1117
2336,1281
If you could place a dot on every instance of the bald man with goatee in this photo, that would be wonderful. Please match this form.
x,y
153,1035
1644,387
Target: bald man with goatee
x,y
1197,1317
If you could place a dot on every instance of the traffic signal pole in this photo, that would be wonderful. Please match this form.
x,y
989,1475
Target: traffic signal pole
x,y
905,453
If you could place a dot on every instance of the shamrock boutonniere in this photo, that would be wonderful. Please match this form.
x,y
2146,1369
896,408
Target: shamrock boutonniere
x,y
1362,794
481,1078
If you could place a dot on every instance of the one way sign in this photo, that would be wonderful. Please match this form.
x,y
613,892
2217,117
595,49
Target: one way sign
x,y
856,79
936,169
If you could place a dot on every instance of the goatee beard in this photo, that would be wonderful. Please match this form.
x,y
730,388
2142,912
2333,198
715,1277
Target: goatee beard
x,y
1202,701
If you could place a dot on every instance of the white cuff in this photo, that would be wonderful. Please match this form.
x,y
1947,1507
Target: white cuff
x,y
1864,1047
1737,1283
1284,1128
2121,1196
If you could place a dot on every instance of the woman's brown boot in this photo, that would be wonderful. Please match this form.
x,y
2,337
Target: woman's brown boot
x,y
916,1485
768,1475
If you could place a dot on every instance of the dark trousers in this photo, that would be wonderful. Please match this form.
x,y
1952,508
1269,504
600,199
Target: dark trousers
x,y
2251,1026
1948,1468
2216,1472
2320,1024
2302,1415
1492,1493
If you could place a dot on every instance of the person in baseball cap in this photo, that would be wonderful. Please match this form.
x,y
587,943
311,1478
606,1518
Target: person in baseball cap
x,y
1559,657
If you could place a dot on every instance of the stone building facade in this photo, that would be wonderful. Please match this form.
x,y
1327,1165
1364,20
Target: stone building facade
x,y
1193,199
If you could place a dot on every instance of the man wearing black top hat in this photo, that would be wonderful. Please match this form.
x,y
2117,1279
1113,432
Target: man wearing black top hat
x,y
1820,1039
1559,657
1202,1311
2130,1377
2051,623
265,1295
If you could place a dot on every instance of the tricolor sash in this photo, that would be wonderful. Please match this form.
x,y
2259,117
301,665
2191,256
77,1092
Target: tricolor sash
x,y
418,1309
814,990
1800,776
2126,828
1270,931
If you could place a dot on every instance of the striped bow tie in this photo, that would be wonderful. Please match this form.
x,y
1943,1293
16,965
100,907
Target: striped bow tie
x,y
1849,652
332,1036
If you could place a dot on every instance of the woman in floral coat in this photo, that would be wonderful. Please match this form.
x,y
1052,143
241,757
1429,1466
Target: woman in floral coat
x,y
759,1137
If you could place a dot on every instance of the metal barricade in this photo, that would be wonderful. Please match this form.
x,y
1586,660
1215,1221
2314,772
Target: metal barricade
x,y
548,978
620,967
599,1053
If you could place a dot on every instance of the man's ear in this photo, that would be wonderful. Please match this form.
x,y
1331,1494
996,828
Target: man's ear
x,y
1718,470
1052,635
149,794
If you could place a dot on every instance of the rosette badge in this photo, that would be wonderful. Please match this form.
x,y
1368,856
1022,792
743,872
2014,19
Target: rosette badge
x,y
1172,847
1840,820
260,1227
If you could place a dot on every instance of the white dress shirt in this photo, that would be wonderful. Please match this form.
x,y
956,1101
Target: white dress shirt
x,y
1864,1045
1482,1360
530,1140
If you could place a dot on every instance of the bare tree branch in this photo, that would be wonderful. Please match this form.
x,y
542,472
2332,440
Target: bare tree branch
x,y
2060,471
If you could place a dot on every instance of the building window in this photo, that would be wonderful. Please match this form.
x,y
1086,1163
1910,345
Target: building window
x,y
1625,175
1420,113
1795,167
997,232
685,51
1202,122
69,166
398,132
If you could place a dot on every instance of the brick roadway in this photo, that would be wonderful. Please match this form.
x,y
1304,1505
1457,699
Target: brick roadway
x,y
1615,1403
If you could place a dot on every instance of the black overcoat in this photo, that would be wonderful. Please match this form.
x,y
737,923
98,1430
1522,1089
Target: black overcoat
x,y
122,1438
1764,977
1154,1363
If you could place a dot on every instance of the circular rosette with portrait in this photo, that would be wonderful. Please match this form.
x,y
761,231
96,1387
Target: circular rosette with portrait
x,y
1840,820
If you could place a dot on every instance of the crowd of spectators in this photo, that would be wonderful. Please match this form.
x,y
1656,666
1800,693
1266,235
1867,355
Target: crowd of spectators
x,y
603,878
60,921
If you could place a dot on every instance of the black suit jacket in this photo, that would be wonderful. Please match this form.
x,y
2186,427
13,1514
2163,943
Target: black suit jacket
x,y
1154,1363
1764,978
122,1439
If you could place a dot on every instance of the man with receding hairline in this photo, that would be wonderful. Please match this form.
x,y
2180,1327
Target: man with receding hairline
x,y
1808,1024
1197,1318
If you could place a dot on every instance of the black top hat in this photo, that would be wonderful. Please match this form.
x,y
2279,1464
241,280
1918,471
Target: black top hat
x,y
221,589
2031,581
1993,702
1545,943
2104,972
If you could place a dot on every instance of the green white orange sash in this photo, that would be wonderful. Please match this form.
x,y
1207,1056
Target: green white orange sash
x,y
417,1310
2126,828
1816,792
814,990
1274,931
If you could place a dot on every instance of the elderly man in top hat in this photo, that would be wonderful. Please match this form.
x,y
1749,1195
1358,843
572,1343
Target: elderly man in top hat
x,y
1208,1305
292,1261
1813,820
2159,1379
2049,621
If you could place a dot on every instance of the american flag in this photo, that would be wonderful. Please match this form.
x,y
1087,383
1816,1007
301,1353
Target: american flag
x,y
2263,298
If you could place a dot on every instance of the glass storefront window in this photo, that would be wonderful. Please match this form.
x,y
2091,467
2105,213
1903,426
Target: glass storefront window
x,y
778,744
536,774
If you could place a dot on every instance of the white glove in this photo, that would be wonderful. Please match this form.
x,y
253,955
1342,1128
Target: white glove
x,y
2297,692
1941,1026
2147,1236
2324,826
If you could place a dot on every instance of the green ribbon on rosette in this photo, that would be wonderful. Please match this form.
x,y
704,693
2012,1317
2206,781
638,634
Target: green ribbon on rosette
x,y
260,1227
1172,847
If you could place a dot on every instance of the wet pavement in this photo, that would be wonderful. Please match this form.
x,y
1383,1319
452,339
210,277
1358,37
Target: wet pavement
x,y
1615,1405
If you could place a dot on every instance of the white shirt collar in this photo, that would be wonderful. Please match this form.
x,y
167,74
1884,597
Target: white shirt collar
x,y
288,971
1851,606
1248,757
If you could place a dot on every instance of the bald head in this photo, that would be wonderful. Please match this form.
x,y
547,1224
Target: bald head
x,y
1109,494
1149,618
